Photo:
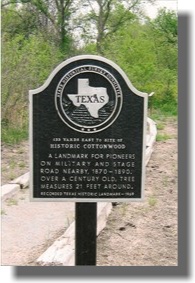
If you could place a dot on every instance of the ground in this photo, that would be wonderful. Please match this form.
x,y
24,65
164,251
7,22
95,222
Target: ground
x,y
137,233
145,233
15,161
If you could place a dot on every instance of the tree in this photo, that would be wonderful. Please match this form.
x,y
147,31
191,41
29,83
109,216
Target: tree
x,y
105,17
166,24
101,18
53,16
23,21
149,58
164,33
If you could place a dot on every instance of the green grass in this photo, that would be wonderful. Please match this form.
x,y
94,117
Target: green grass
x,y
160,126
165,181
13,164
152,201
161,113
22,164
13,135
169,109
12,175
163,137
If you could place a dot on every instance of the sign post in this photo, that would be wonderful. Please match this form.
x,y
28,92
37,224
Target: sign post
x,y
85,238
87,131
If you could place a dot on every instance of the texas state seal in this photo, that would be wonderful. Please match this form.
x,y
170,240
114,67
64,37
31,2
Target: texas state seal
x,y
88,99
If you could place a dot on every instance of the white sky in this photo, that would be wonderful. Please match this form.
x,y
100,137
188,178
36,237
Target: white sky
x,y
152,10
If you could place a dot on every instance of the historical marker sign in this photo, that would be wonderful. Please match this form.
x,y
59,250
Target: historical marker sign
x,y
88,128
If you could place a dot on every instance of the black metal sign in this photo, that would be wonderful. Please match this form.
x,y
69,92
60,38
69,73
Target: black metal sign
x,y
88,128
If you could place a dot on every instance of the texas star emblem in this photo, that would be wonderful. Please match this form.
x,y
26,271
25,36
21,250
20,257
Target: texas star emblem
x,y
93,98
88,99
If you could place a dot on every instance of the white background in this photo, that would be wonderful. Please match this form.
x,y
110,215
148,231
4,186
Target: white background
x,y
7,273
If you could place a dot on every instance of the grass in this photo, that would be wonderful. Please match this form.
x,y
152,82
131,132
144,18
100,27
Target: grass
x,y
21,150
11,202
169,108
13,135
124,208
12,175
22,164
158,114
13,164
163,137
165,181
152,201
160,126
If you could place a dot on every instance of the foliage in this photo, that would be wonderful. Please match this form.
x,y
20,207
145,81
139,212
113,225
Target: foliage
x,y
149,58
38,34
25,65
50,17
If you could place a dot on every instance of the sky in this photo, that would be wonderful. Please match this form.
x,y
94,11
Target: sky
x,y
152,9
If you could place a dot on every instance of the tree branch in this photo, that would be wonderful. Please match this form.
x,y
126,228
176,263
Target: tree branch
x,y
14,2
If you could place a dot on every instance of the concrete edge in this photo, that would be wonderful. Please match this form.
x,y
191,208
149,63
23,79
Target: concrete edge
x,y
8,191
13,187
62,251
23,180
151,139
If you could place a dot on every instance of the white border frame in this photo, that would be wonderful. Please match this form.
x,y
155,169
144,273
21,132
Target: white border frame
x,y
43,87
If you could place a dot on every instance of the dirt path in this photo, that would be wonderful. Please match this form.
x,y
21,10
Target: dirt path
x,y
29,228
137,234
145,233
15,161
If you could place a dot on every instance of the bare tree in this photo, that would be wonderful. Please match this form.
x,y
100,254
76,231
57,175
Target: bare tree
x,y
107,16
55,15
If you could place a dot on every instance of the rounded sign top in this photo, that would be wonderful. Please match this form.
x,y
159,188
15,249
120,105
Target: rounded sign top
x,y
88,94
95,58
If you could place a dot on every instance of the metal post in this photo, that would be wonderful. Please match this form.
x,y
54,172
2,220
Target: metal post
x,y
85,233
